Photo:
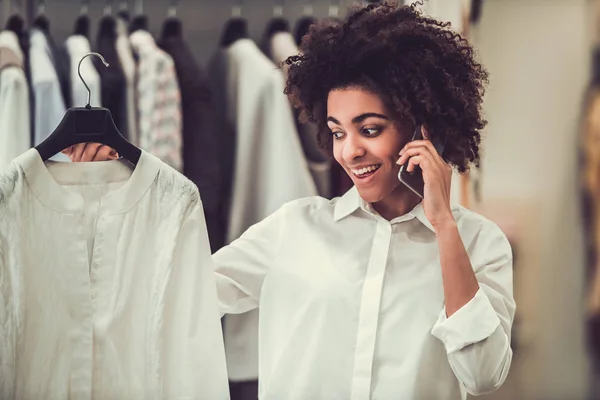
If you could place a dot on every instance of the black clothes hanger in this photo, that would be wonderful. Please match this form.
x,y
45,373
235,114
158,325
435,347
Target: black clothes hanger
x,y
88,124
171,27
82,23
139,22
16,24
124,15
41,21
236,27
276,25
302,27
82,26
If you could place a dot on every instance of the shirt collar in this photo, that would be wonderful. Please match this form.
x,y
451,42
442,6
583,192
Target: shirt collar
x,y
351,201
46,187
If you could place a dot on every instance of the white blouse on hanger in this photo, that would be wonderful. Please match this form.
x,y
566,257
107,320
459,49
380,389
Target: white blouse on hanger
x,y
352,305
106,284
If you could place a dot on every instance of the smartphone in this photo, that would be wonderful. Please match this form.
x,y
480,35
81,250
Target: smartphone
x,y
414,179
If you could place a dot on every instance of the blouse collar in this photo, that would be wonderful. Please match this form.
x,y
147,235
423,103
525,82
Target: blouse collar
x,y
43,179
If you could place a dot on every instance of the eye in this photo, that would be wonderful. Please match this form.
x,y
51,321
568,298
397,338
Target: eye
x,y
371,132
337,134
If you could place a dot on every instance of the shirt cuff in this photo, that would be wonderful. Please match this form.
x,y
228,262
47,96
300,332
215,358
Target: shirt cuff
x,y
472,323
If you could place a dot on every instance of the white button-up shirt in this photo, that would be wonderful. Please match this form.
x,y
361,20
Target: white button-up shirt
x,y
352,305
106,284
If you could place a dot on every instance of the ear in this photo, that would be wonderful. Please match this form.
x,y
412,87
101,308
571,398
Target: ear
x,y
425,132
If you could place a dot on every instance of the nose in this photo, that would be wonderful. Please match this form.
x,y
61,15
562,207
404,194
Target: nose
x,y
352,148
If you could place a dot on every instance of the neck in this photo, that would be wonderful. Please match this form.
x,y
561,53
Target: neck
x,y
397,203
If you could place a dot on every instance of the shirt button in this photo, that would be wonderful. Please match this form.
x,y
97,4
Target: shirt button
x,y
93,295
93,279
96,265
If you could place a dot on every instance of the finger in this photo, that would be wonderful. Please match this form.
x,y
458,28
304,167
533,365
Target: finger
x,y
413,162
68,151
419,143
77,152
90,151
410,152
103,154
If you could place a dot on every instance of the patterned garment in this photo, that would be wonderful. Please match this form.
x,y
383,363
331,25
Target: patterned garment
x,y
158,101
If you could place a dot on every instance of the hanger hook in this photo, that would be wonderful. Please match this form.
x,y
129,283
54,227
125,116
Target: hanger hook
x,y
88,106
236,10
278,8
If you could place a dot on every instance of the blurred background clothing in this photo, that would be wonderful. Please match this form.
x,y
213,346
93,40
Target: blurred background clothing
x,y
537,179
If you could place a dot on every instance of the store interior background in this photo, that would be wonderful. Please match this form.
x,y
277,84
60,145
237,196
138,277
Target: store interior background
x,y
538,53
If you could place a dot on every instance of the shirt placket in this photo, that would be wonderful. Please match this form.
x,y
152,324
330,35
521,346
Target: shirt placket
x,y
369,312
82,341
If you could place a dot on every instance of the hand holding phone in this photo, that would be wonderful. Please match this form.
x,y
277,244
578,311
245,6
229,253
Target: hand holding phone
x,y
414,179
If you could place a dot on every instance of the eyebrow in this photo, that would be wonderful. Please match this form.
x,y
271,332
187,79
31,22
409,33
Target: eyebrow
x,y
359,118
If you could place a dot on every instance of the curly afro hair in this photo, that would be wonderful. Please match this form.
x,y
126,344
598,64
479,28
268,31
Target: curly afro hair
x,y
424,72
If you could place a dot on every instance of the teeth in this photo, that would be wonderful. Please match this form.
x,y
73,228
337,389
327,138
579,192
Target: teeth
x,y
365,170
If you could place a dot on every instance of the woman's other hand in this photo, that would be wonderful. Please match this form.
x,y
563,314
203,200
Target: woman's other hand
x,y
86,152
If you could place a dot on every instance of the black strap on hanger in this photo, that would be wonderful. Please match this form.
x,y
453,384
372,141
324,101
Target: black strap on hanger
x,y
88,124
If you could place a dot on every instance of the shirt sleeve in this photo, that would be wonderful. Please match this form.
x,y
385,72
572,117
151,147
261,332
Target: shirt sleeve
x,y
477,336
193,355
241,266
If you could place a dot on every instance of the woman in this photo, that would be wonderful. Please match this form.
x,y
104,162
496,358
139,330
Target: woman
x,y
379,294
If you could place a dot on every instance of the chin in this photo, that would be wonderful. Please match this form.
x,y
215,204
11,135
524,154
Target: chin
x,y
372,195
376,193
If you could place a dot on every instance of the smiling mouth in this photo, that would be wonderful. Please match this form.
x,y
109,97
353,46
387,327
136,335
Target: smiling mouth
x,y
365,172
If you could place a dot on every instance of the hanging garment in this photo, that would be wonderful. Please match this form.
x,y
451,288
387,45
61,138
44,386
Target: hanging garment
x,y
201,142
14,101
117,300
282,46
352,305
77,47
270,170
49,106
60,61
159,101
112,78
218,73
128,65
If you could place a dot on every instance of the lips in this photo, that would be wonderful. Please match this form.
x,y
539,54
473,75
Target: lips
x,y
366,171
